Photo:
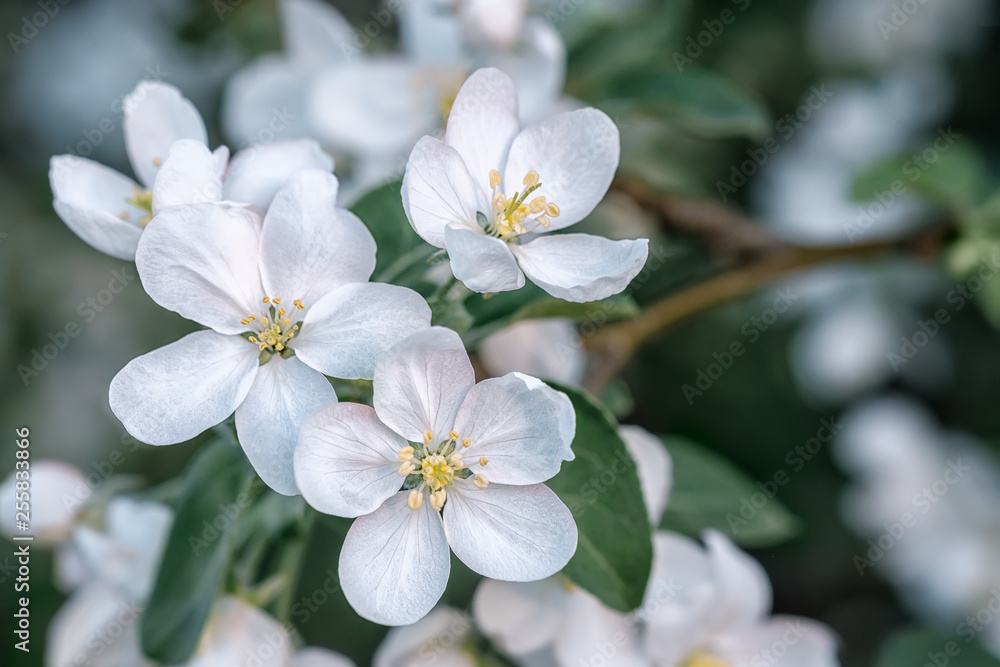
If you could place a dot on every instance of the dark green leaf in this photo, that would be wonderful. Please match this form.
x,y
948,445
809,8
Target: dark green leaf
x,y
710,492
218,486
916,648
601,488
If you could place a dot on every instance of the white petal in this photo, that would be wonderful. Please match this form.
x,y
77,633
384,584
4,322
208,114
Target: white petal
x,y
594,630
784,641
346,332
512,533
545,348
257,173
538,68
498,23
174,393
346,461
238,634
438,191
58,491
523,427
309,246
200,260
743,585
320,657
266,98
484,263
581,267
442,629
520,617
191,174
93,202
379,106
78,633
679,599
284,394
394,565
315,33
420,383
655,468
138,530
157,115
481,126
575,153
428,34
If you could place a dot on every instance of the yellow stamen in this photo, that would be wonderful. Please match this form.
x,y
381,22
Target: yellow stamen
x,y
531,178
415,500
704,660
245,321
157,162
427,437
406,454
494,179
438,498
267,299
407,468
552,210
483,460
480,481
537,205
466,442
452,435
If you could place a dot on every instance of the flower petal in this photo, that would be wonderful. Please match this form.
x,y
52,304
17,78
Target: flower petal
x,y
441,631
429,35
237,633
78,633
511,533
420,383
679,598
591,628
484,263
346,461
520,617
375,106
320,657
200,260
438,191
744,587
191,174
523,427
257,173
538,68
267,96
309,246
497,23
346,332
58,491
806,643
174,393
284,394
93,202
315,33
157,115
655,468
575,153
546,348
481,126
394,564
581,267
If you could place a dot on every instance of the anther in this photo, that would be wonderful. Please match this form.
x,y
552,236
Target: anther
x,y
552,210
427,437
415,500
406,468
531,178
494,179
438,498
480,481
466,442
483,460
267,299
452,435
406,454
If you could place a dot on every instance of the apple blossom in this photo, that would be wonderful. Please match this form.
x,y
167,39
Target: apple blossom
x,y
55,505
490,193
442,637
439,461
287,301
166,142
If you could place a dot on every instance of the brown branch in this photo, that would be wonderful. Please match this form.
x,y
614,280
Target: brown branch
x,y
611,347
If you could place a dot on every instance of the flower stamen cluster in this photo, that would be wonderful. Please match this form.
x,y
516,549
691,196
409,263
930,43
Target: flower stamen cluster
x,y
274,331
510,214
434,469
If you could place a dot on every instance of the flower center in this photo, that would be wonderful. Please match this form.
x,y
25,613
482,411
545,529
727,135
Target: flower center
x,y
434,468
515,215
702,659
142,200
273,331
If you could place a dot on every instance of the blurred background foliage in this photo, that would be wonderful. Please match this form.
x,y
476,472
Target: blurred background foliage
x,y
682,134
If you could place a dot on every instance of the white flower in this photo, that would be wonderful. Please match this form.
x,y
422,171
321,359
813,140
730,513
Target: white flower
x,y
654,466
708,606
166,142
439,638
240,634
439,461
490,192
544,348
52,490
287,302
319,657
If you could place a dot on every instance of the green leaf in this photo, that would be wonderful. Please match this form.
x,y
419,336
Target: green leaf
x,y
954,178
382,212
217,488
711,492
915,647
601,488
699,100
